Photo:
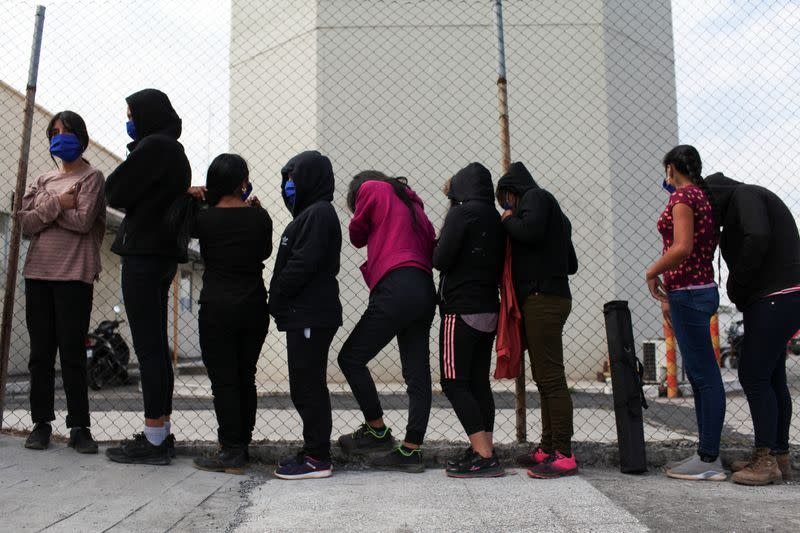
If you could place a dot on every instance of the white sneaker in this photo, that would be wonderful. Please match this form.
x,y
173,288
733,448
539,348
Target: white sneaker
x,y
695,469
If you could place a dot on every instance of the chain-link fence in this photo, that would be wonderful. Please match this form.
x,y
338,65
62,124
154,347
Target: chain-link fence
x,y
599,90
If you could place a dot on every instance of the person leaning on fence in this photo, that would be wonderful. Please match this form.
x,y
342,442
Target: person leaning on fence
x,y
64,215
389,219
235,236
469,254
761,246
145,185
689,298
304,299
543,259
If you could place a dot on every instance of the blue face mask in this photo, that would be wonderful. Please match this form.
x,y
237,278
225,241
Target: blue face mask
x,y
131,130
247,191
507,206
667,187
66,147
289,190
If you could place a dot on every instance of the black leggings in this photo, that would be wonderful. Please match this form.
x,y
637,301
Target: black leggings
x,y
402,305
231,338
768,325
465,358
57,315
145,290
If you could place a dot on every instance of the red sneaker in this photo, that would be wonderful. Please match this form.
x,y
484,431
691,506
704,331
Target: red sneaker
x,y
557,465
532,458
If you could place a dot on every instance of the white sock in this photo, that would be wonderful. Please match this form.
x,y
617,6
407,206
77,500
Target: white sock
x,y
167,428
155,435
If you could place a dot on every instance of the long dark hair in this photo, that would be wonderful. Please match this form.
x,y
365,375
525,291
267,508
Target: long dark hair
x,y
399,184
686,160
225,174
74,124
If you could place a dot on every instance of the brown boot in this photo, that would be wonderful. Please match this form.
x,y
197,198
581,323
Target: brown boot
x,y
741,464
763,471
785,464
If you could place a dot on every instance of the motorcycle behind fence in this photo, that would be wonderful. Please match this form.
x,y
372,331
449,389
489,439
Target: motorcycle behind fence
x,y
107,354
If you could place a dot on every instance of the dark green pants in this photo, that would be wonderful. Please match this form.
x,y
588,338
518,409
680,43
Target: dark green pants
x,y
545,317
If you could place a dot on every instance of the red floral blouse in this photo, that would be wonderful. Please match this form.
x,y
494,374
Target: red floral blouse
x,y
698,268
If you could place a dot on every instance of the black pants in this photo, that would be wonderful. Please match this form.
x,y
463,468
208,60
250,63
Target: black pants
x,y
545,317
145,290
465,358
308,371
231,338
57,314
402,305
768,326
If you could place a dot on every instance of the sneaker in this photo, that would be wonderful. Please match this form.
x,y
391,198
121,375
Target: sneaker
x,y
366,440
556,465
230,460
477,466
466,455
170,442
292,459
138,450
696,469
81,439
532,458
673,464
304,467
39,438
399,460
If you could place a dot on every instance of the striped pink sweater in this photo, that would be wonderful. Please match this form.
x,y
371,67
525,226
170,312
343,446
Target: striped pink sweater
x,y
65,244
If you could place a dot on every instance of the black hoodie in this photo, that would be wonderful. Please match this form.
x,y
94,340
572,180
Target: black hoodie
x,y
471,246
759,240
304,292
542,253
147,183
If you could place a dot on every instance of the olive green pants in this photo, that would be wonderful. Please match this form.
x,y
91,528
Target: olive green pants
x,y
544,317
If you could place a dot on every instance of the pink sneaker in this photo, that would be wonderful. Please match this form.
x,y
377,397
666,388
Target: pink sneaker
x,y
532,458
557,465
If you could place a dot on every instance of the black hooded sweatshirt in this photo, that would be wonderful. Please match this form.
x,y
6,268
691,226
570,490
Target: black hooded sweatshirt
x,y
542,253
304,292
147,183
471,246
759,240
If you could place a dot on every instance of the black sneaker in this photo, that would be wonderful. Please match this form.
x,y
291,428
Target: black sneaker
x,y
139,451
466,455
477,466
399,460
230,460
366,440
39,439
170,442
81,439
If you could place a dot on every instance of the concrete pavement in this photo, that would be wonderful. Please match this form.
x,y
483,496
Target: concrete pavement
x,y
60,490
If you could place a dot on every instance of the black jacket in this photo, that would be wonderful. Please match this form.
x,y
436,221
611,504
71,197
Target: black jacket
x,y
304,292
155,174
542,253
471,246
759,240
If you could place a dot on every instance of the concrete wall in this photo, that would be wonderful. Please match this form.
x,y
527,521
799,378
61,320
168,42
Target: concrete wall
x,y
409,88
107,291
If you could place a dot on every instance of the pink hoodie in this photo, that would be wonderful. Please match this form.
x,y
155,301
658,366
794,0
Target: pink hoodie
x,y
383,224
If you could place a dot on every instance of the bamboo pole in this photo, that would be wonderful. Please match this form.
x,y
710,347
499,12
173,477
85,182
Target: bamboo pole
x,y
19,191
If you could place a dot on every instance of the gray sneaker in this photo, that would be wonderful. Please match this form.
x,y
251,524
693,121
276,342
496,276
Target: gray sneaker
x,y
673,464
696,470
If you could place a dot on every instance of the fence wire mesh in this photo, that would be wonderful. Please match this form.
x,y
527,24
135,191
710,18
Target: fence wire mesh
x,y
599,90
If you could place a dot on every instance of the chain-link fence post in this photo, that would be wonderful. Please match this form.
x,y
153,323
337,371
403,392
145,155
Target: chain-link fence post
x,y
19,191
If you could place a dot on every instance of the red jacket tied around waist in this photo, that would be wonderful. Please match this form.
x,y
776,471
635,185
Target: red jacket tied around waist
x,y
510,343
381,222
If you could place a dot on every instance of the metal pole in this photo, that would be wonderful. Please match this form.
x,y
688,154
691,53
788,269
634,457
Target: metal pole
x,y
505,162
19,191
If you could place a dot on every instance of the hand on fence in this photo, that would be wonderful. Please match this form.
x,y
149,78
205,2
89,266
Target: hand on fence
x,y
198,192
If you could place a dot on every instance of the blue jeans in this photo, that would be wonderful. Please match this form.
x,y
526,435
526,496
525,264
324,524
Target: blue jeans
x,y
691,312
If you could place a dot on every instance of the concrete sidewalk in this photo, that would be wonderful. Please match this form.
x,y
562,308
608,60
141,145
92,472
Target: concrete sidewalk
x,y
60,490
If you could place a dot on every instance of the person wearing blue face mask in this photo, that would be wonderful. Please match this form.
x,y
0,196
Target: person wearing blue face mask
x,y
63,213
153,178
